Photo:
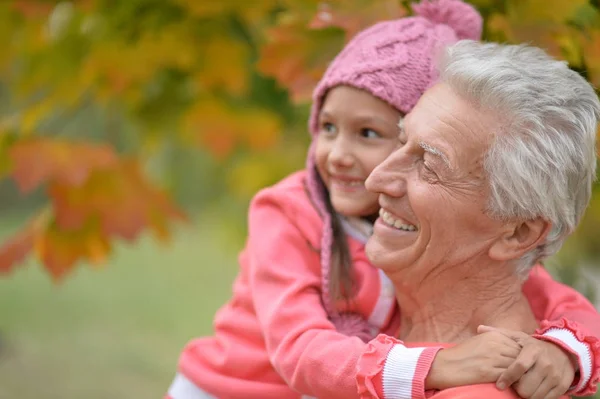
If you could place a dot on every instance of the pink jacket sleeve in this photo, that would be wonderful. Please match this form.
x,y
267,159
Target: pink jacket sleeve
x,y
569,320
303,344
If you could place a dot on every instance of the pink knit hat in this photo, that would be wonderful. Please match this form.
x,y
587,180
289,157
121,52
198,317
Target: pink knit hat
x,y
394,61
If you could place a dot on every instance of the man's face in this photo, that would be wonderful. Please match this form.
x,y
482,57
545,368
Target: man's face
x,y
433,189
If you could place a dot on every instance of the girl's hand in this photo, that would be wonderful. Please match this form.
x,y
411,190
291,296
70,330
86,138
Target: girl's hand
x,y
542,369
480,359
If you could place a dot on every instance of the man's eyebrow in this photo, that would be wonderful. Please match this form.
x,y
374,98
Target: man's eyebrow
x,y
435,151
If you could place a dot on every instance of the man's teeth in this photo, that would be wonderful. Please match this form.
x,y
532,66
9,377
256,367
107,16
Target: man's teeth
x,y
395,223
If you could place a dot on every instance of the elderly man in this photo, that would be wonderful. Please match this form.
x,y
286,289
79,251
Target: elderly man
x,y
494,172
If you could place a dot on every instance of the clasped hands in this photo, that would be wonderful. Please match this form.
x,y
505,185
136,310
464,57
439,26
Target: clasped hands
x,y
534,368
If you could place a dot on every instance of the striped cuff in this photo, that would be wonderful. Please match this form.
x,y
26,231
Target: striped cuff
x,y
399,371
582,350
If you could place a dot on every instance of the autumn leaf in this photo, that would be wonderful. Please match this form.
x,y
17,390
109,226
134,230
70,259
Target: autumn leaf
x,y
120,68
115,202
527,12
256,170
220,127
250,11
32,8
559,40
297,56
591,55
38,161
15,249
59,250
355,15
120,198
96,197
260,128
224,65
211,123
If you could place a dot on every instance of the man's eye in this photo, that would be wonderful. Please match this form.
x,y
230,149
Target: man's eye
x,y
428,173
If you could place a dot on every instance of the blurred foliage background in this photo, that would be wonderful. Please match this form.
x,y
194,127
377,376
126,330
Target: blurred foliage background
x,y
124,124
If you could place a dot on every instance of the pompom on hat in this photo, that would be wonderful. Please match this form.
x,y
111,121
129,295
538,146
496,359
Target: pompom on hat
x,y
395,62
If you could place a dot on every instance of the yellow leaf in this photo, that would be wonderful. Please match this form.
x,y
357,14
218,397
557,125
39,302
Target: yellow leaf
x,y
591,55
250,175
97,248
224,65
569,41
297,56
354,15
481,3
537,11
249,11
499,28
261,128
34,114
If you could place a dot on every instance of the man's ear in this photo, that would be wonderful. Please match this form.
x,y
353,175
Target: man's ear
x,y
520,238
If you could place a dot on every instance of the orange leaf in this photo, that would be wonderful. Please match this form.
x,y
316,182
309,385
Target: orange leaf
x,y
260,128
16,248
113,203
33,8
297,56
212,123
40,160
250,11
539,11
591,55
356,15
59,250
120,198
224,65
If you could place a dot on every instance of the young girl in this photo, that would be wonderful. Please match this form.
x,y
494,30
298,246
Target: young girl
x,y
306,301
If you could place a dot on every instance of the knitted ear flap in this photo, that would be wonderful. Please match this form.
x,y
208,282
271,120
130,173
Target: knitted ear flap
x,y
461,17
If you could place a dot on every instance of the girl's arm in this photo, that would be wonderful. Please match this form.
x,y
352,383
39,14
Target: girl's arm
x,y
570,321
303,345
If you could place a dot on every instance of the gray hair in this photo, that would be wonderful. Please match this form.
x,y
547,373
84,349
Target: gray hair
x,y
542,162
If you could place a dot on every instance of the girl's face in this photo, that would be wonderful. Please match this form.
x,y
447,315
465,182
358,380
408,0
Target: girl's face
x,y
357,132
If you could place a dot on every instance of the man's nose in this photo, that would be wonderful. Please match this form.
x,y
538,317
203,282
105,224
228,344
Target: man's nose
x,y
389,177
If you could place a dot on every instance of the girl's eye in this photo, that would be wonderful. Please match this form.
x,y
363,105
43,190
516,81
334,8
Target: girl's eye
x,y
369,133
329,127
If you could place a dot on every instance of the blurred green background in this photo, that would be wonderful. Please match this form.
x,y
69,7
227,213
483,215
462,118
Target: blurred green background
x,y
211,98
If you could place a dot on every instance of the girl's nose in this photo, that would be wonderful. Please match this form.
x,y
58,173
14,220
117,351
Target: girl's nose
x,y
341,153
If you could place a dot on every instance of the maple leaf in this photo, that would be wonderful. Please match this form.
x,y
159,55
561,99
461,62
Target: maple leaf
x,y
32,8
211,123
220,127
356,15
249,11
526,12
297,56
40,160
120,198
16,248
96,197
591,55
59,250
224,65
